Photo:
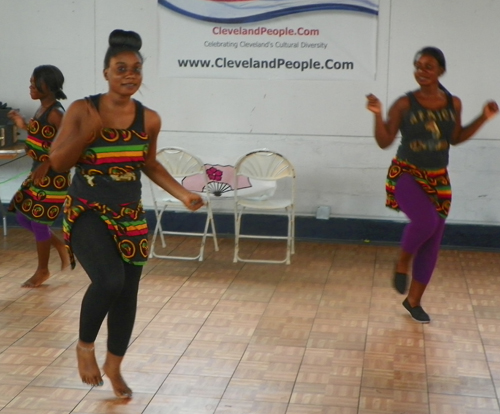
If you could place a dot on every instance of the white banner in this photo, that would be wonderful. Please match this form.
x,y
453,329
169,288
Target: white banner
x,y
268,39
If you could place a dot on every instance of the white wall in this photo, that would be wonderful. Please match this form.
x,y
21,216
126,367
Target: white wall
x,y
321,126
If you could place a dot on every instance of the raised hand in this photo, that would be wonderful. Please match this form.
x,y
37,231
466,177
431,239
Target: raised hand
x,y
373,104
17,118
40,173
490,109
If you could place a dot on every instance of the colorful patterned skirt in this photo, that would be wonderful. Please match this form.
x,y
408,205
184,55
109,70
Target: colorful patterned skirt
x,y
127,224
436,184
43,202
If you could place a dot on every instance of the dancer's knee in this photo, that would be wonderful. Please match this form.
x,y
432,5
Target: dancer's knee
x,y
109,284
418,232
428,225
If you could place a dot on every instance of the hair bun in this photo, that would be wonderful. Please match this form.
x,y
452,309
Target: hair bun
x,y
125,39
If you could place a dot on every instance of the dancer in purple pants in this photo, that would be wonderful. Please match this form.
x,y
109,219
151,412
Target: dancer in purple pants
x,y
429,120
39,200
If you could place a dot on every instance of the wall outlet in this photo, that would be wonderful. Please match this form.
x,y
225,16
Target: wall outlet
x,y
323,213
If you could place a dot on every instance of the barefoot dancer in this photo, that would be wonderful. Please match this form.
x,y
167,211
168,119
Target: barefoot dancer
x,y
417,182
40,198
110,138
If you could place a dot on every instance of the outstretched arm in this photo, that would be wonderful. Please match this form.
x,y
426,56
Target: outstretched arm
x,y
462,134
385,131
158,174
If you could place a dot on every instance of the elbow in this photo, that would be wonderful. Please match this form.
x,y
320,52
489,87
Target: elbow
x,y
147,171
384,144
384,141
57,165
58,168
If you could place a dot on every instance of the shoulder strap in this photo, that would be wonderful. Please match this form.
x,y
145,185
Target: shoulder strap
x,y
138,124
449,97
413,100
45,116
58,105
94,100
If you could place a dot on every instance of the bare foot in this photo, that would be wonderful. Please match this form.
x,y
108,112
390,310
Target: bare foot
x,y
112,370
37,279
87,364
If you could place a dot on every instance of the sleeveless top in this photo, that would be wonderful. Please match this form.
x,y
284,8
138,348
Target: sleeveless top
x,y
424,154
426,134
44,201
107,180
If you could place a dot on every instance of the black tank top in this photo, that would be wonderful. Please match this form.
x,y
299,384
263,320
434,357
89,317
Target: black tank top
x,y
109,170
426,134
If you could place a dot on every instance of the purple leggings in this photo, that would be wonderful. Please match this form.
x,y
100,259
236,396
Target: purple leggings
x,y
422,236
41,231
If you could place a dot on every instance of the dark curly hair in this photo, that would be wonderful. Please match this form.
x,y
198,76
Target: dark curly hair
x,y
53,79
434,52
122,41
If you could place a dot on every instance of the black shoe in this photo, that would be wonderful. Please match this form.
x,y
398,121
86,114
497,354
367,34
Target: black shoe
x,y
417,313
400,282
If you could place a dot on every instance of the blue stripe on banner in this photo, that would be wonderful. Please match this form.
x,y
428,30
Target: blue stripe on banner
x,y
270,14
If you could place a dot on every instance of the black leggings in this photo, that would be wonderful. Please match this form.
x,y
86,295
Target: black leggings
x,y
114,286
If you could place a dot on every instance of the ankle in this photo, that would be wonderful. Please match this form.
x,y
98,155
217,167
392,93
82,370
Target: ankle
x,y
42,269
402,267
113,363
413,303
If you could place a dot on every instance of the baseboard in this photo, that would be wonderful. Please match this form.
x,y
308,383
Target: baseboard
x,y
348,230
335,229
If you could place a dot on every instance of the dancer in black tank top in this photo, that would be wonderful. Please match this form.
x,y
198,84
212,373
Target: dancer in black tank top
x,y
429,120
39,200
110,139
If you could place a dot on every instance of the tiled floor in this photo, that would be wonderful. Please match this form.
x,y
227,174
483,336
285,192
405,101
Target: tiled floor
x,y
325,335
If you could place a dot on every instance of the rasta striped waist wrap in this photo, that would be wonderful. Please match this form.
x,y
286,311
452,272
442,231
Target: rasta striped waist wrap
x,y
435,183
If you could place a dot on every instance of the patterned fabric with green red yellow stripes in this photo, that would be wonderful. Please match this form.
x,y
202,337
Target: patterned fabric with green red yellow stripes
x,y
128,226
436,184
107,181
41,202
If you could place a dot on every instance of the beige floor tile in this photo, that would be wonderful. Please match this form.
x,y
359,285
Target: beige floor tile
x,y
166,404
227,406
217,367
338,392
376,400
47,398
259,390
194,386
451,404
308,409
8,392
100,402
218,350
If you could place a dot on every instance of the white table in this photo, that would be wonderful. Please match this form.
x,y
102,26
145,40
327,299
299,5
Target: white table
x,y
7,156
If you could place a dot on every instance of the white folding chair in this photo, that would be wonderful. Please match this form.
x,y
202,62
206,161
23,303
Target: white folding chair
x,y
265,165
180,164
